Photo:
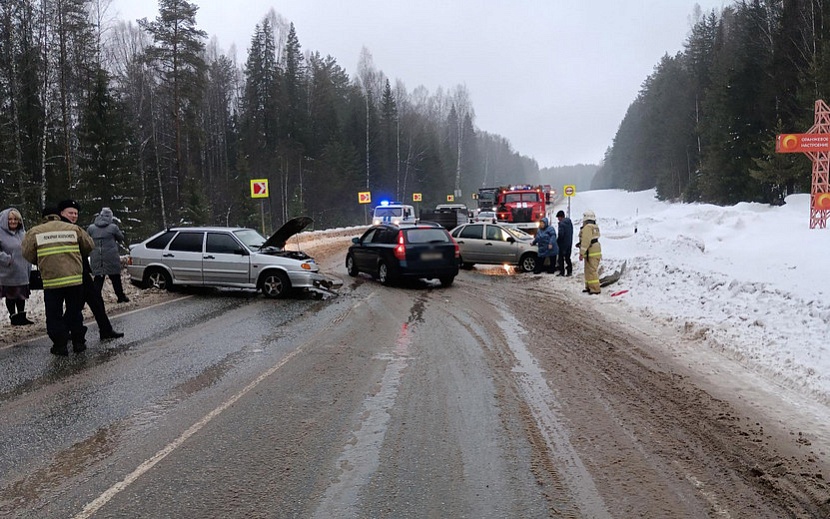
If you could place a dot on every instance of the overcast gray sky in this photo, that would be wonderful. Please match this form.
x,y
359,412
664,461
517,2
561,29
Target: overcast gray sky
x,y
555,78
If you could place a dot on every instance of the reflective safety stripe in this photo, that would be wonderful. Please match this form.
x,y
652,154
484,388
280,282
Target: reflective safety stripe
x,y
592,281
65,281
60,249
594,254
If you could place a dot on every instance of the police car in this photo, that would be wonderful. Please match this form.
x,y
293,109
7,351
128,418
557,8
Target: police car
x,y
394,213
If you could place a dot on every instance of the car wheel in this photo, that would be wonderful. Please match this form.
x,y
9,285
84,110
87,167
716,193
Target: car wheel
x,y
447,281
157,278
383,274
463,264
275,284
527,263
351,267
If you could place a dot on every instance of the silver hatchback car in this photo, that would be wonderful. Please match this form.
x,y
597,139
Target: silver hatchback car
x,y
235,257
494,244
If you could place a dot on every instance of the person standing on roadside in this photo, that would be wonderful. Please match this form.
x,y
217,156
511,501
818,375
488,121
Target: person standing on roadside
x,y
69,212
59,249
565,240
14,269
545,240
590,251
105,260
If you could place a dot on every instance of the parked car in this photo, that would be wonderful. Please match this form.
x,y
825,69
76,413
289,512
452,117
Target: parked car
x,y
391,253
486,216
494,244
226,257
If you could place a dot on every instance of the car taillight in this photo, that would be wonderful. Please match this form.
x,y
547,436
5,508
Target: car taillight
x,y
457,253
400,248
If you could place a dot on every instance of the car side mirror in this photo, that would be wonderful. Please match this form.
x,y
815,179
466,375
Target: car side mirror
x,y
355,240
511,239
240,252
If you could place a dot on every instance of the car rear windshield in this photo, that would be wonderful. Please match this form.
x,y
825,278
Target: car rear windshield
x,y
427,236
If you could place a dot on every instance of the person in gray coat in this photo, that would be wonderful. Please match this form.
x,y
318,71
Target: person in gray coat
x,y
105,259
14,269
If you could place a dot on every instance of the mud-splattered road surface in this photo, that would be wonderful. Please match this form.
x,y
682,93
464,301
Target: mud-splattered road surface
x,y
503,396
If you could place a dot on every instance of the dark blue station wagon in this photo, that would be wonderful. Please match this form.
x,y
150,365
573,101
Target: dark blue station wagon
x,y
391,253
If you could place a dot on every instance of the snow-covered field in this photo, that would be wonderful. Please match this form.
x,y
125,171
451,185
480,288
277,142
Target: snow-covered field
x,y
750,281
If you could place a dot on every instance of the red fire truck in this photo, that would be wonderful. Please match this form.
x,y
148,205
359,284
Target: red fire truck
x,y
523,205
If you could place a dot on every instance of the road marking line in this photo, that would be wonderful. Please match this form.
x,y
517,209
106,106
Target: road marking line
x,y
111,492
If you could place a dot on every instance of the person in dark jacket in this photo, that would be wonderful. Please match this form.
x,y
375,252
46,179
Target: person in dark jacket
x,y
565,240
14,269
59,248
545,240
69,212
105,259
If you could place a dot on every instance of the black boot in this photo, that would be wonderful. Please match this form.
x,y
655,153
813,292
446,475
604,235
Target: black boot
x,y
59,349
19,319
26,320
111,334
119,289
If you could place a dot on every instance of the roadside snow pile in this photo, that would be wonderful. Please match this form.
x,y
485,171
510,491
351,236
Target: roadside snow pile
x,y
750,280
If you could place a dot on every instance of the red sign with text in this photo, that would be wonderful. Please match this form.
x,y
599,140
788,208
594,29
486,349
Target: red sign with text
x,y
802,142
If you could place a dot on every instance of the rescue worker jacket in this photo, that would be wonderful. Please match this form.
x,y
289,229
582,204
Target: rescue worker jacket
x,y
589,246
58,248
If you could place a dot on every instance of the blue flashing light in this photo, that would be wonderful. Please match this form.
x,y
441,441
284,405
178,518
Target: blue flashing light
x,y
384,202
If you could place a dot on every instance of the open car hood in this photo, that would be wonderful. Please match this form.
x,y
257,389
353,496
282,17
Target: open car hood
x,y
291,227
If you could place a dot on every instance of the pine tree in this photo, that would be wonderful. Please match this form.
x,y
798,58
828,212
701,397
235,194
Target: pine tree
x,y
177,55
780,174
105,178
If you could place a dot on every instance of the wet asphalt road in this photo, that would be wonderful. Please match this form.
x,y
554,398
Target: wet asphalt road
x,y
63,417
222,404
413,401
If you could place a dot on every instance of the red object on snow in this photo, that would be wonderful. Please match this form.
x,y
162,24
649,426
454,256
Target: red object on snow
x,y
619,293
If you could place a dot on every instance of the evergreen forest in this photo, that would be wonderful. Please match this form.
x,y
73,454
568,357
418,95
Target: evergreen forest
x,y
155,121
704,123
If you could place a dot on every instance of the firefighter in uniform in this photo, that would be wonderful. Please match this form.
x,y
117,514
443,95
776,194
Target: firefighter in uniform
x,y
58,249
590,251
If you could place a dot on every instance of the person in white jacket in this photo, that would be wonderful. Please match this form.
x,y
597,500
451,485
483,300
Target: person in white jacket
x,y
14,269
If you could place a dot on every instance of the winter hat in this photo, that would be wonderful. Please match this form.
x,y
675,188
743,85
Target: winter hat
x,y
560,213
589,215
106,212
63,204
49,210
545,221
